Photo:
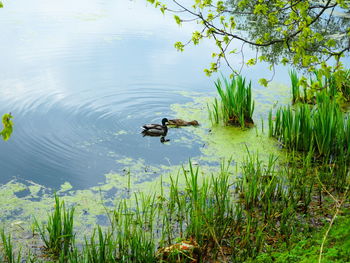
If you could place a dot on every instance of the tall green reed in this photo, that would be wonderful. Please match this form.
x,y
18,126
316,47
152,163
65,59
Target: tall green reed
x,y
296,93
101,251
133,230
58,234
8,250
322,128
236,104
335,84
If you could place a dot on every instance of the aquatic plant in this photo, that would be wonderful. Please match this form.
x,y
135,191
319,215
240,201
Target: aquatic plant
x,y
335,84
135,240
7,246
103,250
297,94
322,128
345,84
236,105
58,234
205,217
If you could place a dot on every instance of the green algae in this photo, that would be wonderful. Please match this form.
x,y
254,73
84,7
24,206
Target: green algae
x,y
32,205
35,189
125,161
120,132
65,187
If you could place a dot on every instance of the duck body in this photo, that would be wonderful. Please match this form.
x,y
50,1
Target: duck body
x,y
155,129
180,122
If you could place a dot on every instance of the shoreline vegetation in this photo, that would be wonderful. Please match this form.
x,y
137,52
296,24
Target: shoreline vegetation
x,y
268,209
273,211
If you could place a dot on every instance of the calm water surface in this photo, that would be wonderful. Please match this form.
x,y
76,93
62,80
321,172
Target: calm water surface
x,y
81,77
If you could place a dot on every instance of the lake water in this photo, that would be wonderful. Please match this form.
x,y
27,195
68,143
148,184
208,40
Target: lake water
x,y
82,77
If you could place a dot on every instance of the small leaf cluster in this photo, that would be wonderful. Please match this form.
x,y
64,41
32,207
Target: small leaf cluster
x,y
8,126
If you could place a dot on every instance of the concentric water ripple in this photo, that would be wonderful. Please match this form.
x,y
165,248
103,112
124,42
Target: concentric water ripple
x,y
78,136
81,78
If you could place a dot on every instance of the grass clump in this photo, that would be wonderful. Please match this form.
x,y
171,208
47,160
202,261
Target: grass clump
x,y
57,234
236,105
298,95
323,129
133,230
335,84
8,254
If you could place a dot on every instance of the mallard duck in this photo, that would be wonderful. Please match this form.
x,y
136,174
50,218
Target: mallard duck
x,y
179,122
156,129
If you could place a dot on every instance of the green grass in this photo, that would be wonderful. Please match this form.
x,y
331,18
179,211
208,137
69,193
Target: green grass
x,y
58,234
345,85
236,105
226,216
323,129
297,93
335,84
307,250
8,254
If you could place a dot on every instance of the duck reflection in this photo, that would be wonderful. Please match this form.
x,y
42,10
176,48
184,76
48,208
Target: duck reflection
x,y
163,140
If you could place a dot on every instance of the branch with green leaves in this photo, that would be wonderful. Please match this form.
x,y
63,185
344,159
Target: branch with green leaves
x,y
8,126
301,33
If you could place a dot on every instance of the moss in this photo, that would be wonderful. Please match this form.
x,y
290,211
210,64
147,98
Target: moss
x,y
336,249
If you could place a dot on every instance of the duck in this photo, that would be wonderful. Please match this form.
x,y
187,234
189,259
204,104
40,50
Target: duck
x,y
156,129
180,122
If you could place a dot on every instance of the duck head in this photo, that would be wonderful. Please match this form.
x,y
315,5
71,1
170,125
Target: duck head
x,y
164,121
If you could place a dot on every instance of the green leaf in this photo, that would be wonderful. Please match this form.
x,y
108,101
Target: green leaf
x,y
196,36
210,17
226,39
263,58
162,9
260,9
1,5
177,19
284,61
232,23
179,46
207,72
331,43
251,62
213,67
220,7
263,82
8,126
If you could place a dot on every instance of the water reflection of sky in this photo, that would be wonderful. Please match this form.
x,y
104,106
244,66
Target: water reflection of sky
x,y
81,77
